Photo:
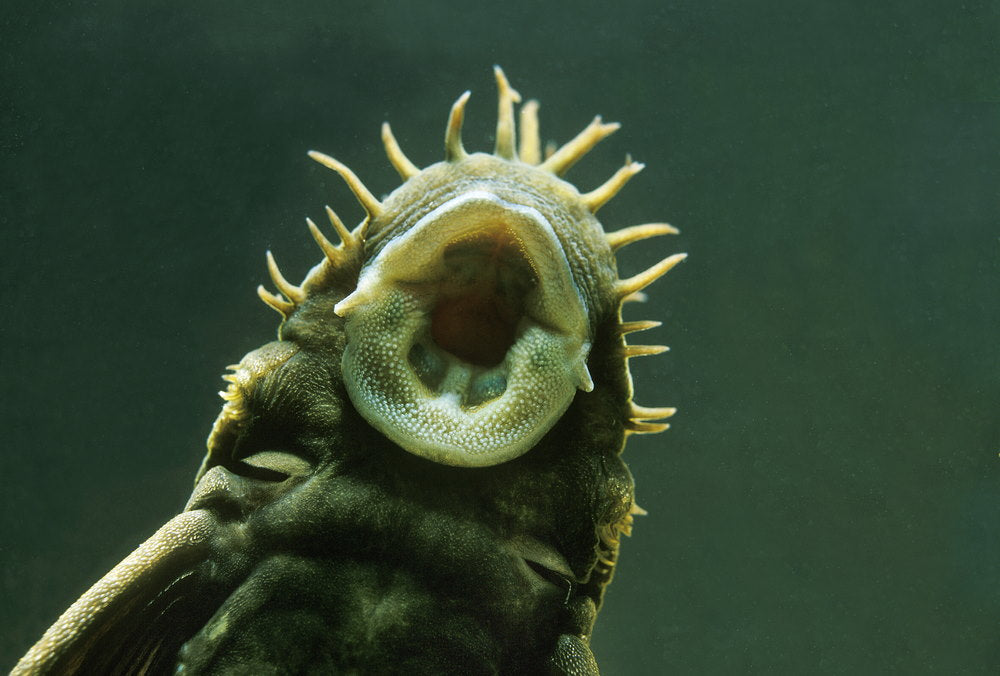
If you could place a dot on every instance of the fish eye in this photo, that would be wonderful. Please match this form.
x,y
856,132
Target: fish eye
x,y
553,577
270,465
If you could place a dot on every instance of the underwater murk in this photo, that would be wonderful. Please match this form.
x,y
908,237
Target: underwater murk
x,y
423,473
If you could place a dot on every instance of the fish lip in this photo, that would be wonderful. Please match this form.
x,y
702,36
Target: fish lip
x,y
561,305
462,420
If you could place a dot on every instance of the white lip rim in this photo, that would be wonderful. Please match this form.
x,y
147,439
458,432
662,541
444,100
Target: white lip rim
x,y
458,436
378,271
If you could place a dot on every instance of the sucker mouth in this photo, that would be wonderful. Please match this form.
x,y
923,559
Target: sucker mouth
x,y
467,335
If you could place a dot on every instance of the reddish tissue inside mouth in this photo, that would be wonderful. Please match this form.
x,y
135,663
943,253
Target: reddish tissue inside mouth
x,y
481,297
475,327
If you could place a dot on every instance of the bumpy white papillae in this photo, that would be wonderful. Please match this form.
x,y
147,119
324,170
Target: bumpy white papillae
x,y
540,385
470,415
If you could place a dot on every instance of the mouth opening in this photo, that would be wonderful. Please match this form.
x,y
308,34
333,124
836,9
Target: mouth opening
x,y
482,298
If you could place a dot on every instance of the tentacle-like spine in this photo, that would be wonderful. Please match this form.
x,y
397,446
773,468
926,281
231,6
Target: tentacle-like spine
x,y
295,294
637,421
399,160
338,257
638,417
330,250
292,292
530,149
642,325
651,412
368,201
635,233
562,159
506,133
627,287
276,303
642,427
348,239
595,199
644,350
453,149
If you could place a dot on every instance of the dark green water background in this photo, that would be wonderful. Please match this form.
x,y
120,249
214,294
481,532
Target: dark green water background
x,y
828,500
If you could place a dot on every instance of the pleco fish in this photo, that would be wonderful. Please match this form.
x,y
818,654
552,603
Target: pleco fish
x,y
422,475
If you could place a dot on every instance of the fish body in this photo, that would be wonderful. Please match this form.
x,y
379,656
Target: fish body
x,y
422,475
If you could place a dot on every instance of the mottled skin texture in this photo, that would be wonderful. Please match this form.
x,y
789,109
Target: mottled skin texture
x,y
377,561
313,544
390,563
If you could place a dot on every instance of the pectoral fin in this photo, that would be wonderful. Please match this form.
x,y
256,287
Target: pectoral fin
x,y
88,637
